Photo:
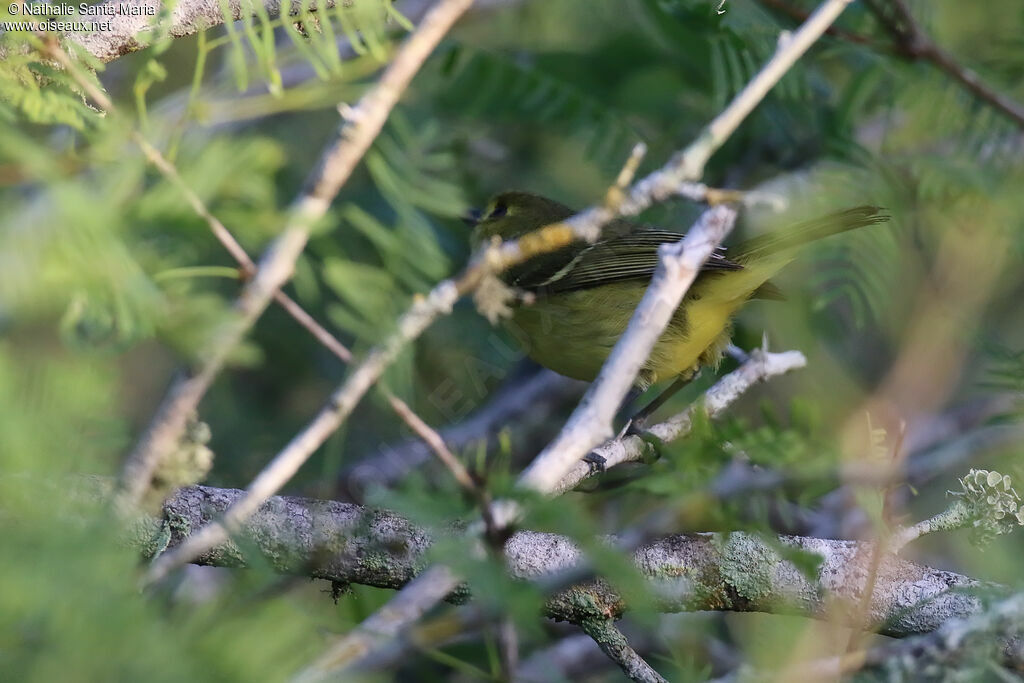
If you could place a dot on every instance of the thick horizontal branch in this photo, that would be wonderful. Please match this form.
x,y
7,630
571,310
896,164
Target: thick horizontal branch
x,y
687,572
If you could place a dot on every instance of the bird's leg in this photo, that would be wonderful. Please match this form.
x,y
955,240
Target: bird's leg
x,y
639,419
631,397
635,424
736,353
597,462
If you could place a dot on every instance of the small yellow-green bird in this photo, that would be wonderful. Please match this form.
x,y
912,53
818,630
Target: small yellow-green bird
x,y
584,294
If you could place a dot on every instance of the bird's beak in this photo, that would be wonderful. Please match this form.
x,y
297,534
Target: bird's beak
x,y
472,217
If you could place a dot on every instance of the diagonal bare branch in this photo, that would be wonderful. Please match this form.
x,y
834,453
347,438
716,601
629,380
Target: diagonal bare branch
x,y
761,366
336,164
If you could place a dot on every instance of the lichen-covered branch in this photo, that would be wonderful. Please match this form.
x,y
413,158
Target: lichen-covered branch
x,y
986,503
687,572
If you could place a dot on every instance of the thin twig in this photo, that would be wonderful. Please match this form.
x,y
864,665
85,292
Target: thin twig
x,y
914,43
407,607
434,440
449,459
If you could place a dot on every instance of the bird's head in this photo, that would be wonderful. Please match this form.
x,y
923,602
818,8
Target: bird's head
x,y
513,214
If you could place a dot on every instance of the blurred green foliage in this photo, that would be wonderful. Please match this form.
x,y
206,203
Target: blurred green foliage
x,y
108,280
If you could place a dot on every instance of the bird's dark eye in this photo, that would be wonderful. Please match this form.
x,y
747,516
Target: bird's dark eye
x,y
500,209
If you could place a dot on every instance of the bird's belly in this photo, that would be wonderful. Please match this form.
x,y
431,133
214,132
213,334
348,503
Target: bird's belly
x,y
692,339
573,333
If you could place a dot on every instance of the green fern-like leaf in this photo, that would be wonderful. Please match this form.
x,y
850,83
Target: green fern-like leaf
x,y
493,86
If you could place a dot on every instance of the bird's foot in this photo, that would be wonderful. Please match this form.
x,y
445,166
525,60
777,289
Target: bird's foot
x,y
736,353
637,427
595,462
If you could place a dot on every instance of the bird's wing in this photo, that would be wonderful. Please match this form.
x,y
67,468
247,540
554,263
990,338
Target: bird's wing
x,y
632,256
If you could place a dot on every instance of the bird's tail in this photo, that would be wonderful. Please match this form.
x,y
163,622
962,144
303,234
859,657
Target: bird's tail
x,y
764,256
780,241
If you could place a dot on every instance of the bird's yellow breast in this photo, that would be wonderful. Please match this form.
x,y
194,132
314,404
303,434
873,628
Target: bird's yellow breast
x,y
572,333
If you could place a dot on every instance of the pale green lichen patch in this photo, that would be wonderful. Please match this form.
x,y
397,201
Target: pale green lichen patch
x,y
596,600
669,571
178,524
189,463
150,535
987,504
748,565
